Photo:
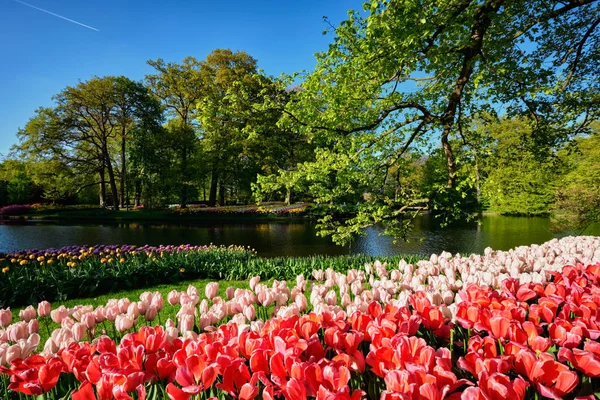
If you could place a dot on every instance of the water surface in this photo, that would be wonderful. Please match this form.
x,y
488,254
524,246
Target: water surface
x,y
288,239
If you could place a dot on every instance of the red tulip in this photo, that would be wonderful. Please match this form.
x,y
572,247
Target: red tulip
x,y
35,375
85,392
248,392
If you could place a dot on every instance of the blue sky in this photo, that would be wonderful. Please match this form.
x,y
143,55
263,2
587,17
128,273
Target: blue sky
x,y
41,53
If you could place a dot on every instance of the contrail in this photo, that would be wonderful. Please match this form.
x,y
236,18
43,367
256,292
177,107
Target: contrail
x,y
56,15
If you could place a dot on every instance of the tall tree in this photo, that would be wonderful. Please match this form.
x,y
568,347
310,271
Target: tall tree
x,y
180,87
408,71
226,74
85,125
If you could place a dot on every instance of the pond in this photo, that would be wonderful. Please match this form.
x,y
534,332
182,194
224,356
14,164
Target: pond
x,y
272,239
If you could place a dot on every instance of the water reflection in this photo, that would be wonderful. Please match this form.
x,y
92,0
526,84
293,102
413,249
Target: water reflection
x,y
289,239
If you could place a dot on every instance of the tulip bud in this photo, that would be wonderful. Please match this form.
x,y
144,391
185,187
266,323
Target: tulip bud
x,y
142,306
173,297
79,329
111,313
123,304
151,313
229,292
133,310
12,353
331,298
211,290
89,320
250,313
27,314
59,314
124,322
253,282
44,308
33,326
186,323
5,318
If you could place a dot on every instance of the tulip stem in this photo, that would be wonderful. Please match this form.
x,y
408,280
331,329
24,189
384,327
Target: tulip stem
x,y
5,386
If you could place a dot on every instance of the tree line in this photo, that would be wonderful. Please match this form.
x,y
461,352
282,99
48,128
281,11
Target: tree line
x,y
452,106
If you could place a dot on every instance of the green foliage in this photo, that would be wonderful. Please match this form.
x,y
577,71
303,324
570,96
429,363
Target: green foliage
x,y
578,194
405,73
520,176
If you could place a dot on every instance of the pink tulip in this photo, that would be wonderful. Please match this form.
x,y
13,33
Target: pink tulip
x,y
250,313
27,314
170,323
12,353
58,314
229,292
151,313
5,317
301,302
99,314
204,321
193,293
18,330
211,290
185,298
123,304
79,330
186,323
203,308
133,310
111,313
67,323
266,298
253,282
331,298
142,306
124,322
44,308
146,296
158,301
3,348
171,333
33,326
89,320
173,297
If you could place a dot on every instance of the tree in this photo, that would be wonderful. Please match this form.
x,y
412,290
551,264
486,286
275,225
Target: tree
x,y
408,71
520,178
578,193
86,124
180,87
224,111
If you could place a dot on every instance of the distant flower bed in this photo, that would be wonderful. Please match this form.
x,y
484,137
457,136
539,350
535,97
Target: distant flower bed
x,y
502,325
69,271
15,209
264,209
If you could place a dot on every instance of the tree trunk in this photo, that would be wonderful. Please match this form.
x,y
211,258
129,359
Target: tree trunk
x,y
138,192
477,181
288,196
184,187
221,194
214,181
112,180
123,169
102,187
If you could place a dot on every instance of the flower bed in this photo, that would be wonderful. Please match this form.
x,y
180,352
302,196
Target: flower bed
x,y
59,274
527,330
264,209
